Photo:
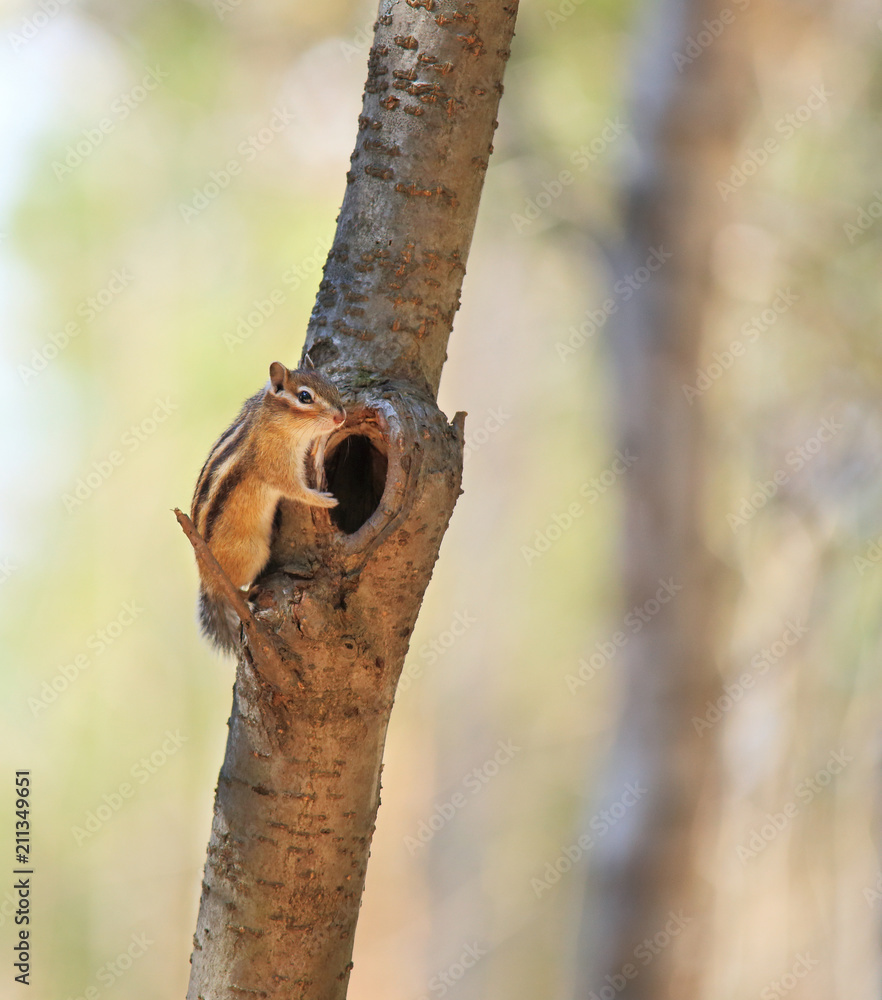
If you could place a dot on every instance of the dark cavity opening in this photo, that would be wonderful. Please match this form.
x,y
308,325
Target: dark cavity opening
x,y
356,474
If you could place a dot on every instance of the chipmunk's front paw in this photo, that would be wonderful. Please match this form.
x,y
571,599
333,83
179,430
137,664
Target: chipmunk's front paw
x,y
323,499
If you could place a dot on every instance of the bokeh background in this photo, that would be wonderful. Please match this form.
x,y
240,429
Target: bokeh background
x,y
170,177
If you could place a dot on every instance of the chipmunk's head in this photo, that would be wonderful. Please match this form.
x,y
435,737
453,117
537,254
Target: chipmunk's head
x,y
308,394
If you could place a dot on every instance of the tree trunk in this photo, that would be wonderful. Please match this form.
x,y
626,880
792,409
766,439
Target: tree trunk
x,y
299,788
644,931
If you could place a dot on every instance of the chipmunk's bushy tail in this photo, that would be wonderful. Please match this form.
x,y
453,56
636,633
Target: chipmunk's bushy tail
x,y
220,623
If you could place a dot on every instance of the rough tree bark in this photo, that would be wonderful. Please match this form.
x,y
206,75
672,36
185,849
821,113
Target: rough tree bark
x,y
688,115
298,792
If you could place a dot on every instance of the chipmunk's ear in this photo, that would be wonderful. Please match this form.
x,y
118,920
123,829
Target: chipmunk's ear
x,y
308,361
277,376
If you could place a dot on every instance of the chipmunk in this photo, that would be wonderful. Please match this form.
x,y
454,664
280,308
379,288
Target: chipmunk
x,y
257,461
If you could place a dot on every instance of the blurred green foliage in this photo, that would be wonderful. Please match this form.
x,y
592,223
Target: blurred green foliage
x,y
126,402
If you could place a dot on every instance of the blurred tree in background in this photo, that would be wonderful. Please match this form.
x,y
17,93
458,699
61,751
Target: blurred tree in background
x,y
159,249
644,932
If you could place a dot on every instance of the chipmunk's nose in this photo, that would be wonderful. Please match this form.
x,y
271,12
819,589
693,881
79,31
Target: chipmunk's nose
x,y
340,417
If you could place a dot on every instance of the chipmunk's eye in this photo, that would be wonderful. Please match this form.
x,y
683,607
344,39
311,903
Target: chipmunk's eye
x,y
304,396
